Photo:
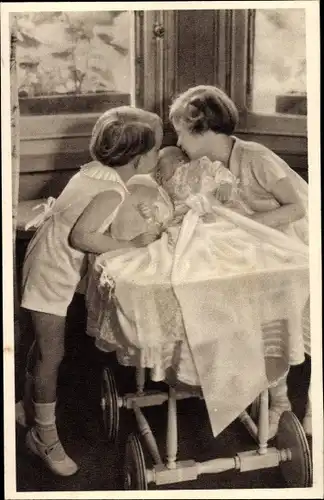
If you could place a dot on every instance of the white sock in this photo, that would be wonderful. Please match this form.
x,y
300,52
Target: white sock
x,y
307,421
279,403
45,422
279,396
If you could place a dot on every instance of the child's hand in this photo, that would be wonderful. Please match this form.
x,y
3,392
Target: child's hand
x,y
145,210
223,192
145,239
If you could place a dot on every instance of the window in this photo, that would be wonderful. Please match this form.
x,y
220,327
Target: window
x,y
73,54
268,67
279,62
257,56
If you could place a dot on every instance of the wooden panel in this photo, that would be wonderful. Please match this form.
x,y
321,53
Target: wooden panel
x,y
42,185
71,104
57,125
280,143
205,55
59,161
203,49
274,124
170,56
54,146
186,49
156,59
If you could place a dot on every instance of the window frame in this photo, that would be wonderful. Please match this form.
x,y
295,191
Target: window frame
x,y
156,78
233,39
242,42
65,125
156,59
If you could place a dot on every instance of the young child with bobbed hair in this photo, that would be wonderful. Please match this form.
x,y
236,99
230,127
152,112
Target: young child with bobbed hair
x,y
124,142
205,118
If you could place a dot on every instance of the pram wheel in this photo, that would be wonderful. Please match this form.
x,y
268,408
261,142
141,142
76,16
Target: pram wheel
x,y
109,405
297,471
135,470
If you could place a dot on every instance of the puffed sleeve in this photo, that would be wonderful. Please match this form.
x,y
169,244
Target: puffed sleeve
x,y
267,168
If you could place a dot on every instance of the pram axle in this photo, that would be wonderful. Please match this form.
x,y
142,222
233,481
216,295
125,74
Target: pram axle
x,y
291,452
189,470
178,471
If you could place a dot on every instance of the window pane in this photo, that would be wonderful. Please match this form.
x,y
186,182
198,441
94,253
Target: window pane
x,y
279,62
62,53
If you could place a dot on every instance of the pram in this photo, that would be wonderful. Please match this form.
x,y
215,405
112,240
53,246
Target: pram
x,y
291,452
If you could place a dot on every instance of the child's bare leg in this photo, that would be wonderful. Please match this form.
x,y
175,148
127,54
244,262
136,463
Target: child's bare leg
x,y
43,439
279,403
307,421
49,352
24,407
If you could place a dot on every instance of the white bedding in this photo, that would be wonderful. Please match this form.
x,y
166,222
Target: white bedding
x,y
221,303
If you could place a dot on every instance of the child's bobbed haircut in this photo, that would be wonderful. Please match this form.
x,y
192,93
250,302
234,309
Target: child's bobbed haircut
x,y
204,108
120,135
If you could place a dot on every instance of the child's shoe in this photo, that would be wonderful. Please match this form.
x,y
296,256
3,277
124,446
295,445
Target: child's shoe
x,y
52,455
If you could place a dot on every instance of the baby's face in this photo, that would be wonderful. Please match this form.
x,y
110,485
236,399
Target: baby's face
x,y
170,159
165,170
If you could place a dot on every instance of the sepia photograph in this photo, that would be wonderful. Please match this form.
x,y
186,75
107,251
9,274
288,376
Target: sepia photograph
x,y
162,331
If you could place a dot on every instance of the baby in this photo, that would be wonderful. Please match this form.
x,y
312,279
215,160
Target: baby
x,y
195,184
146,209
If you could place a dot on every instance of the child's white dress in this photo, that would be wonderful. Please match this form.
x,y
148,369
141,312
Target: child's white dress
x,y
52,268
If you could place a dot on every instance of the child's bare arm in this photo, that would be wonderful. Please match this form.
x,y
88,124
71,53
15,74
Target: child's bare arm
x,y
85,236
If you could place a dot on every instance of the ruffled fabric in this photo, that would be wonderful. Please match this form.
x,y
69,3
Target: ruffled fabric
x,y
95,170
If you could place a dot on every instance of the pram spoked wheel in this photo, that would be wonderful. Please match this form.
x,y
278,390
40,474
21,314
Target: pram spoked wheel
x,y
297,471
135,470
109,405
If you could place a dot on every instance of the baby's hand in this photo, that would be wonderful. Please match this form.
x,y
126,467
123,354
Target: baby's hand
x,y
145,239
145,210
224,192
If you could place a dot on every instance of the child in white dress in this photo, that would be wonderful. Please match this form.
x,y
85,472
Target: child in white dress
x,y
124,141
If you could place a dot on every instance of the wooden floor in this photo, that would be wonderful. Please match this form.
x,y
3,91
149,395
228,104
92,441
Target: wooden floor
x,y
101,463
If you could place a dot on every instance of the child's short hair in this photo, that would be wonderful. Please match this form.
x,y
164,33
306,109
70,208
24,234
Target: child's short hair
x,y
120,135
205,108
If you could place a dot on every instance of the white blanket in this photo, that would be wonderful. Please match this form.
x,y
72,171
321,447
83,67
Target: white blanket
x,y
212,289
